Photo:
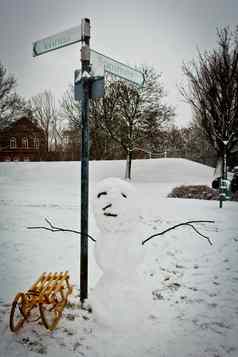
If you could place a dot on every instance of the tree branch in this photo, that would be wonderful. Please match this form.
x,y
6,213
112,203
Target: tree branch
x,y
53,228
189,223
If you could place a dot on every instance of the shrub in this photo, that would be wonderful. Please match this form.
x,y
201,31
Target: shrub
x,y
201,192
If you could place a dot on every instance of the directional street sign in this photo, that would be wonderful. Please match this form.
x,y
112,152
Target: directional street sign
x,y
101,63
56,41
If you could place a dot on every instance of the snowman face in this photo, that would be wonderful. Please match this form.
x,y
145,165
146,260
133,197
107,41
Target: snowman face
x,y
115,209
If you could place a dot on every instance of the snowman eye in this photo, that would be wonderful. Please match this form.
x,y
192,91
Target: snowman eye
x,y
101,193
124,195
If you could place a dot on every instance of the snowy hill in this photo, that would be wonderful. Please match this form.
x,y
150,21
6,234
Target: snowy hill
x,y
192,285
59,182
154,170
171,171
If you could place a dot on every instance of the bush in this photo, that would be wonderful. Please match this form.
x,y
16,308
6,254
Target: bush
x,y
201,192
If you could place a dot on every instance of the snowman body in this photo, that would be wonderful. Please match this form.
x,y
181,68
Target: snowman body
x,y
122,258
118,252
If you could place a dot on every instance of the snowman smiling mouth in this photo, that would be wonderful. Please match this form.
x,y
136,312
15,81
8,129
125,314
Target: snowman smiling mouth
x,y
108,214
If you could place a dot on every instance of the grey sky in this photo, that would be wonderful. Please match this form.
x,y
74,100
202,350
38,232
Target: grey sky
x,y
155,32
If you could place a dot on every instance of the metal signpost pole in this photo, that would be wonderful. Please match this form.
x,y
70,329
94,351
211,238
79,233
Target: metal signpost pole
x,y
86,87
85,67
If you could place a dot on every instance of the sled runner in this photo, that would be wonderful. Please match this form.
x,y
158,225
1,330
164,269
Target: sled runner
x,y
45,300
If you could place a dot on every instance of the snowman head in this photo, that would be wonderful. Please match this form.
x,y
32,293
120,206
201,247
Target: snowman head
x,y
115,206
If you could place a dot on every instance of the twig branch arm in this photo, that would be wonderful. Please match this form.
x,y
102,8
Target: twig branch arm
x,y
53,228
189,223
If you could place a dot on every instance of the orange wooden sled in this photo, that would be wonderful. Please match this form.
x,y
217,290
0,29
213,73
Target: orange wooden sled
x,y
45,300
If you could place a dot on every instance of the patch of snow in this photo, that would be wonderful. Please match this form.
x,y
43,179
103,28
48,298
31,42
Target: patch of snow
x,y
191,286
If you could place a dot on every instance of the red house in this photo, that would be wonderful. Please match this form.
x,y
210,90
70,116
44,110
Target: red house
x,y
22,140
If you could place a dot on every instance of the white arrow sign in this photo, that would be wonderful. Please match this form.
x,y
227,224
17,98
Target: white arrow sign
x,y
56,41
101,63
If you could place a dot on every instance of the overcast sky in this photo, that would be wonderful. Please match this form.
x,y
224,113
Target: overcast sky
x,y
162,33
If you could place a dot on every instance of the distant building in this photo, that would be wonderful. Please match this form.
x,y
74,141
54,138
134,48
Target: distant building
x,y
22,140
71,144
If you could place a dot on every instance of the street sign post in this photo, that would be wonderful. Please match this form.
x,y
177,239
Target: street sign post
x,y
101,63
85,69
88,83
59,40
51,43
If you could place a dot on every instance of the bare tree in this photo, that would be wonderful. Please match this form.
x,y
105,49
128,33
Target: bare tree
x,y
124,119
157,115
101,144
132,116
213,93
153,96
118,114
196,145
70,108
45,113
10,103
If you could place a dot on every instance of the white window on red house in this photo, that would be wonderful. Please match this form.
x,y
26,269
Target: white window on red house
x,y
25,143
13,143
36,143
66,140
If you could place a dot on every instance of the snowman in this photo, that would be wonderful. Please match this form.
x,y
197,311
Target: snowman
x,y
118,253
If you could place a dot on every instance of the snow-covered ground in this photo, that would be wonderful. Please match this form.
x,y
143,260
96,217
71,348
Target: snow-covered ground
x,y
193,286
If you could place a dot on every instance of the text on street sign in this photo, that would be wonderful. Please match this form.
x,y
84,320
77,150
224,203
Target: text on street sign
x,y
56,41
101,63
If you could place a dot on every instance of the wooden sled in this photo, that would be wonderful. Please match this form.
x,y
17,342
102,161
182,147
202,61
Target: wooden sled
x,y
45,300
